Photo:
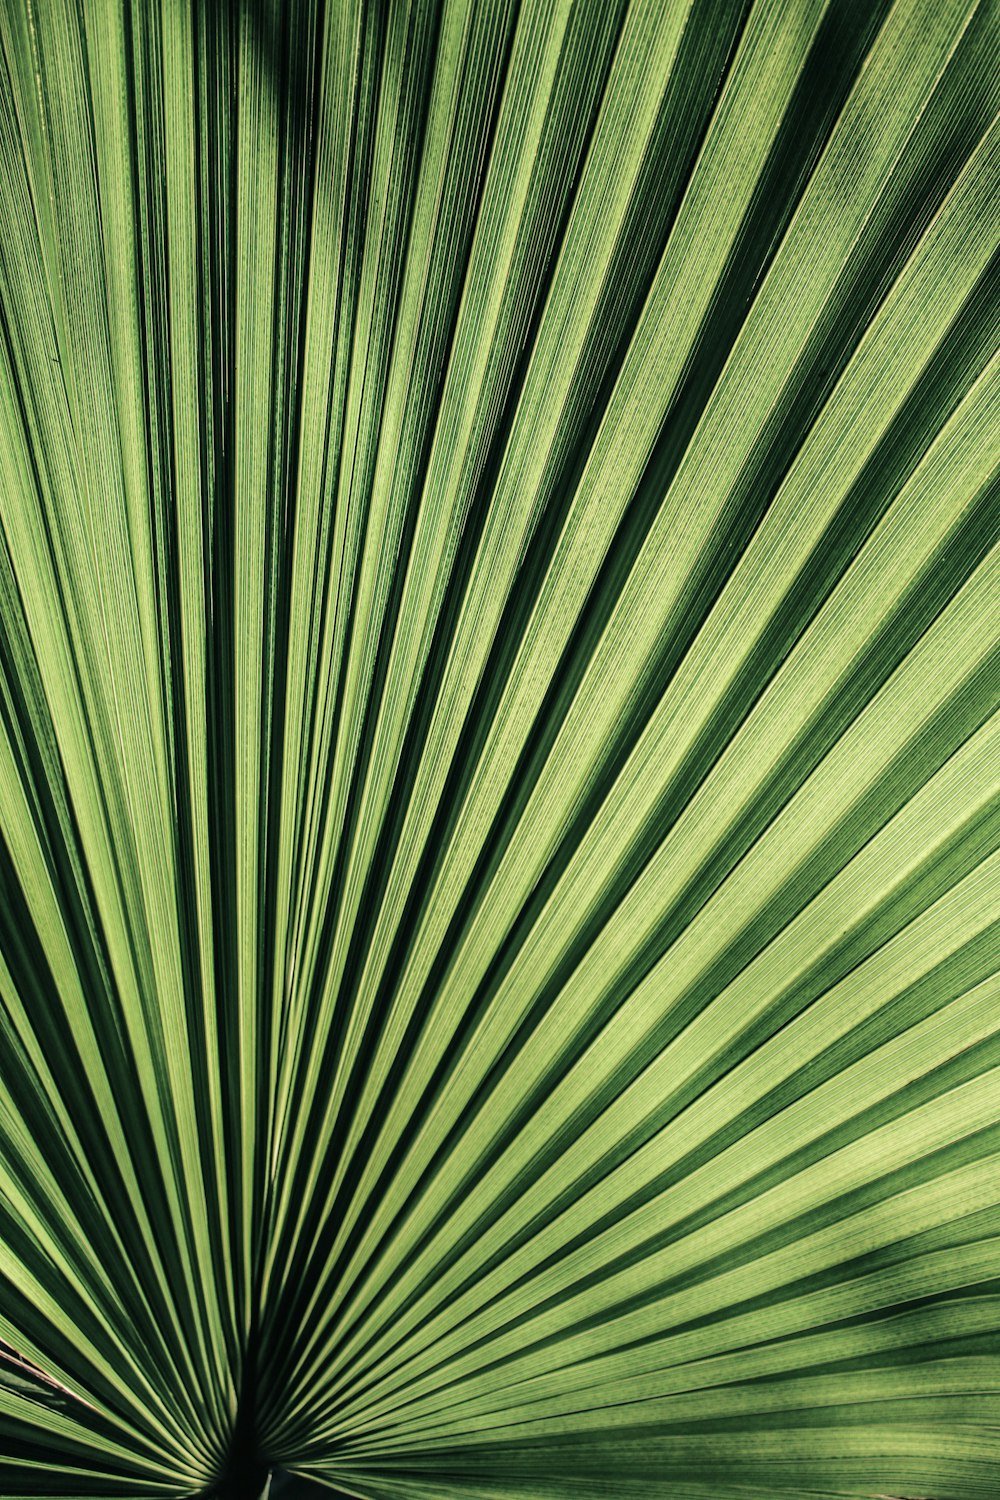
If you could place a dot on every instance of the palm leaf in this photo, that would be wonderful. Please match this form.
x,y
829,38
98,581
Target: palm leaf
x,y
498,748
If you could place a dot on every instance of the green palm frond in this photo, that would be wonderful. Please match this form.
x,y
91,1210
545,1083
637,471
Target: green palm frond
x,y
499,775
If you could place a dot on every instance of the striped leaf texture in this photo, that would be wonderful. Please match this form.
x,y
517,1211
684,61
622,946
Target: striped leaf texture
x,y
499,775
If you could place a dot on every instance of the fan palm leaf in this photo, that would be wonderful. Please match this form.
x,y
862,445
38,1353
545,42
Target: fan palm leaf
x,y
499,817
